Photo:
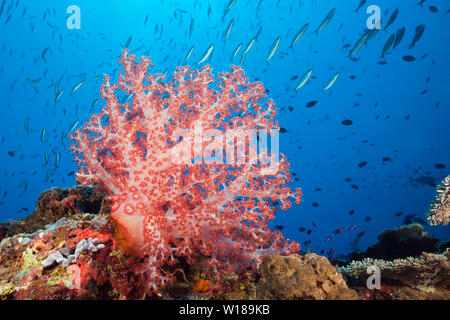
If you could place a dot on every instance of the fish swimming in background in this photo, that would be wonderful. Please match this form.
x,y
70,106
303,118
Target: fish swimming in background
x,y
73,126
242,59
371,33
304,79
127,44
44,52
388,45
57,159
31,82
236,51
77,86
420,29
191,27
399,36
230,26
361,4
94,103
26,125
359,235
43,134
249,45
311,103
408,219
273,48
209,10
325,21
230,5
331,82
433,9
59,95
191,50
299,34
419,3
409,58
391,19
358,44
206,54
425,180
99,77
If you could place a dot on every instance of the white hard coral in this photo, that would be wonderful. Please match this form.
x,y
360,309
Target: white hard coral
x,y
89,245
439,212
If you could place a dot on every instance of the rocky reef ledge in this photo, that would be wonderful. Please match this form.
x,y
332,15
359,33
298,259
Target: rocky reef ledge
x,y
68,249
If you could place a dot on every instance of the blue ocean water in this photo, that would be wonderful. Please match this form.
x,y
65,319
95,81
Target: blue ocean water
x,y
399,109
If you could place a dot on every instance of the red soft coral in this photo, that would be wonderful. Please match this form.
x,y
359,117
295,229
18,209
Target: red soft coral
x,y
162,160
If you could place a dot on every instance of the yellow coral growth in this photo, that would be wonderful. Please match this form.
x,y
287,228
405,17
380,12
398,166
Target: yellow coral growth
x,y
6,288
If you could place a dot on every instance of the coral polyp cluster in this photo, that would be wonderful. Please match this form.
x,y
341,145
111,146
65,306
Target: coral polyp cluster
x,y
177,193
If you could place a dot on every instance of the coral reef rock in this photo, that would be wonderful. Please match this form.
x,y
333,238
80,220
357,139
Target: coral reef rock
x,y
69,248
424,277
403,242
57,203
309,277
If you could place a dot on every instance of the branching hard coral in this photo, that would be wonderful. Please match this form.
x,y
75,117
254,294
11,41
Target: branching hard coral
x,y
439,212
180,185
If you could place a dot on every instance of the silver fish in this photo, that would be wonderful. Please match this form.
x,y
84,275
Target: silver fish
x,y
59,95
236,51
43,134
58,158
242,59
73,126
273,48
249,45
77,86
299,34
326,21
359,44
191,50
331,82
230,26
303,79
207,54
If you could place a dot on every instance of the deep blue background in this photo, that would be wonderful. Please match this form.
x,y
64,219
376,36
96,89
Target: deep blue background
x,y
330,151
